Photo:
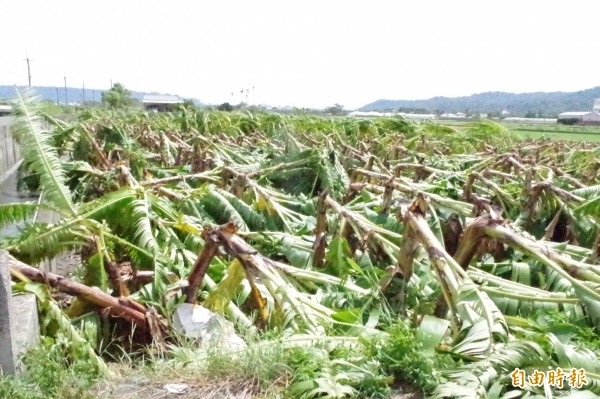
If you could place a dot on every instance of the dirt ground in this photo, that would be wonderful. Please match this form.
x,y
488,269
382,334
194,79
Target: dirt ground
x,y
145,388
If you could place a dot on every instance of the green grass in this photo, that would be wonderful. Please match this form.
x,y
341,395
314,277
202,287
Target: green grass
x,y
541,134
52,372
268,368
540,131
555,132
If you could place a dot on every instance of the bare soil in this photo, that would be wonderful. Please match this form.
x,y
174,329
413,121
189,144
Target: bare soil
x,y
138,387
146,388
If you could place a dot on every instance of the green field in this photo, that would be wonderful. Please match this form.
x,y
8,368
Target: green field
x,y
557,132
539,131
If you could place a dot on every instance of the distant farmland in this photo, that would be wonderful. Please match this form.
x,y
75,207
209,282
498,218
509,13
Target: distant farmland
x,y
538,131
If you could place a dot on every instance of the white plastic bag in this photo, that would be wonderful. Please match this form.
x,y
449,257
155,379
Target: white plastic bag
x,y
195,321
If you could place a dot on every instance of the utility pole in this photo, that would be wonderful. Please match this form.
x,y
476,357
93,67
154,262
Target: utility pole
x,y
66,98
28,69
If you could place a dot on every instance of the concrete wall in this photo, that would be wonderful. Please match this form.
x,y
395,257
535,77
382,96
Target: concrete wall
x,y
19,324
10,154
10,158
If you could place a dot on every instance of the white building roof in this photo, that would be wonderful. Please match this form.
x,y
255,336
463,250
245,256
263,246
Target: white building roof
x,y
532,120
573,114
384,114
448,115
370,113
161,99
418,116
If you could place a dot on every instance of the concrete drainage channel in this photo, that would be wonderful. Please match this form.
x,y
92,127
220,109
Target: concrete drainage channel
x,y
10,160
19,326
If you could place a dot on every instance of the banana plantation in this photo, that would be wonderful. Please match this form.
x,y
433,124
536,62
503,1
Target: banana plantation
x,y
461,262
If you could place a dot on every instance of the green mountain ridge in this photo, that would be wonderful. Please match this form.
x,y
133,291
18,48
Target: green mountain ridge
x,y
541,104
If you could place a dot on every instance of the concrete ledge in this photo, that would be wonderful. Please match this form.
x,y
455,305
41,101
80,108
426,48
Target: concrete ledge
x,y
19,324
26,331
10,171
7,346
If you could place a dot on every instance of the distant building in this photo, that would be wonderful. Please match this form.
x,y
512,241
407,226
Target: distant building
x,y
582,118
596,107
419,117
374,114
579,118
159,102
5,109
371,114
449,115
516,119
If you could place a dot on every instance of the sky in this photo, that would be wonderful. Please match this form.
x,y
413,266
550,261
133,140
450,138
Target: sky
x,y
303,53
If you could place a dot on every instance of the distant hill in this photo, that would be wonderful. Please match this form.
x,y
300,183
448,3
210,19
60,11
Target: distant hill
x,y
522,104
74,95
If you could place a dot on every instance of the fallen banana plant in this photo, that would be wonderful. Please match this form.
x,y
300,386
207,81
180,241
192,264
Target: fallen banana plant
x,y
323,230
127,309
269,282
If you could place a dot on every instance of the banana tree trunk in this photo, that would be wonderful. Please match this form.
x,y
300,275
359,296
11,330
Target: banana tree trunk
x,y
196,277
320,243
124,308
